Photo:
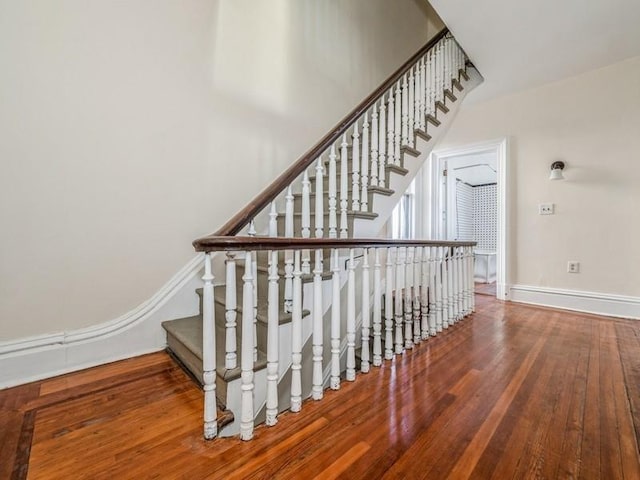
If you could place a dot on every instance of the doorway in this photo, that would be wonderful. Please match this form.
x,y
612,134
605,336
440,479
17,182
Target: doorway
x,y
468,203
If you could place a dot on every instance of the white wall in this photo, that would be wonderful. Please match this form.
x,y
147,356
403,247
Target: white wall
x,y
592,122
131,128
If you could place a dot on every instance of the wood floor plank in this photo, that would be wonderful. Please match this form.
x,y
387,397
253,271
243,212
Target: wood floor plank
x,y
621,411
628,339
515,391
517,423
569,451
448,435
465,464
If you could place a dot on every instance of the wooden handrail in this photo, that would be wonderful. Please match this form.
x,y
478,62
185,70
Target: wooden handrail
x,y
242,218
215,243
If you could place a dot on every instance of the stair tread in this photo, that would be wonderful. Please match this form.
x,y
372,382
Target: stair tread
x,y
422,134
188,331
449,94
410,150
433,120
397,169
442,106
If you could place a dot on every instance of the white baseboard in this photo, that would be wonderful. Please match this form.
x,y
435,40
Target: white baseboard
x,y
589,302
134,333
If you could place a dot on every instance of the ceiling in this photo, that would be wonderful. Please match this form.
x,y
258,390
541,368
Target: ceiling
x,y
523,44
474,169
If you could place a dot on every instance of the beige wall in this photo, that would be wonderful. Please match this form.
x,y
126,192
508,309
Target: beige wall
x,y
130,128
592,122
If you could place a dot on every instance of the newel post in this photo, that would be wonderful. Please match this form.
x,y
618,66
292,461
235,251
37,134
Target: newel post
x,y
209,352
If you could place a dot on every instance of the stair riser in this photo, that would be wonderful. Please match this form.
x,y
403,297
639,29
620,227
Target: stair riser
x,y
325,181
297,224
263,275
194,365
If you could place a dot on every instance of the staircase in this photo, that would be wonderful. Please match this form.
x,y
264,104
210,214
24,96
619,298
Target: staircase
x,y
285,289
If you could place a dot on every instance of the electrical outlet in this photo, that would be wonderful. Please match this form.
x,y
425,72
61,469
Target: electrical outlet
x,y
573,267
546,209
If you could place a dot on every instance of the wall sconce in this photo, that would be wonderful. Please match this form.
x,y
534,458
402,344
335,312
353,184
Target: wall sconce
x,y
556,171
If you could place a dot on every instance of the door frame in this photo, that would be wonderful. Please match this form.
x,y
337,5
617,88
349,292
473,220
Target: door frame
x,y
437,162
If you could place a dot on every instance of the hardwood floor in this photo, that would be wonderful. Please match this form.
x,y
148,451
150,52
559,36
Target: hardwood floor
x,y
485,288
513,392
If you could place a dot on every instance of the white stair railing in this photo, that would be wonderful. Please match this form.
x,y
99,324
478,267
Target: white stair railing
x,y
418,290
412,309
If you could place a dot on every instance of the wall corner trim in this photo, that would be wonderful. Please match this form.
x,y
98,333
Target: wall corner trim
x,y
611,305
137,332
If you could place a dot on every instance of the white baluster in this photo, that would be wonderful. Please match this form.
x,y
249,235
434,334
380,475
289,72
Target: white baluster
x,y
435,65
470,280
432,291
316,391
438,277
441,73
391,135
377,311
306,208
335,322
416,295
364,197
456,284
445,63
306,221
366,313
382,139
344,187
333,192
296,337
436,85
408,307
231,313
397,125
374,146
411,119
272,341
288,254
319,217
254,274
355,166
246,355
461,282
416,97
398,301
430,82
388,308
209,352
449,46
273,220
450,290
472,268
465,287
405,110
351,319
423,88
445,288
424,293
